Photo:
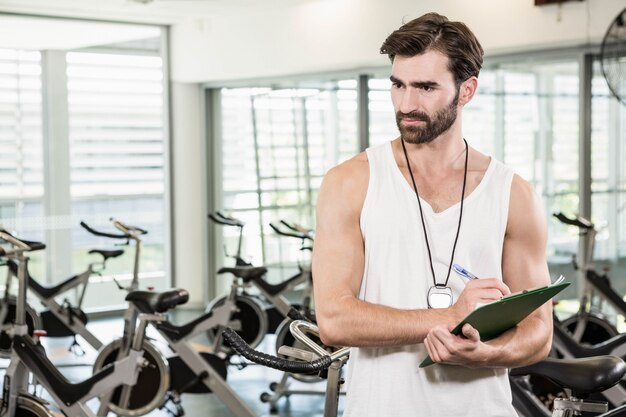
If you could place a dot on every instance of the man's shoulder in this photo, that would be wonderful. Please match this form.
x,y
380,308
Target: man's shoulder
x,y
355,167
349,178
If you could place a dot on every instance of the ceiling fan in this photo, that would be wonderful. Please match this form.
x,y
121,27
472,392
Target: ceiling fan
x,y
613,57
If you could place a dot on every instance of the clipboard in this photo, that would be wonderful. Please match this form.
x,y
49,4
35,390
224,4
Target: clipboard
x,y
495,318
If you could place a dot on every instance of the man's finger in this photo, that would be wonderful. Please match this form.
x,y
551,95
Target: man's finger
x,y
470,332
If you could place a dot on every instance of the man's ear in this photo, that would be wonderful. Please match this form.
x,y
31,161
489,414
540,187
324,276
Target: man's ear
x,y
467,90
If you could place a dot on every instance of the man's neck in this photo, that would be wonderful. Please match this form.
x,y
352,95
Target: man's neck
x,y
444,153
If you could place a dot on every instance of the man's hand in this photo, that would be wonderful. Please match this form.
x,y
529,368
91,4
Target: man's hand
x,y
478,291
465,349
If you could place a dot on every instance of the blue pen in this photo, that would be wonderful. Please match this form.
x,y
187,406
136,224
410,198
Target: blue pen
x,y
463,272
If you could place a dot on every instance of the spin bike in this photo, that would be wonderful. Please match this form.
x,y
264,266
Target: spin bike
x,y
29,357
255,316
589,324
64,319
186,371
576,380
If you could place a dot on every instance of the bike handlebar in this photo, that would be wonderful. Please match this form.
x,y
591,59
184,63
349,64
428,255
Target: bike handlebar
x,y
126,228
219,217
103,234
580,222
20,244
240,346
128,232
296,230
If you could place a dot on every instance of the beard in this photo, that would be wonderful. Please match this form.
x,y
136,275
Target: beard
x,y
441,121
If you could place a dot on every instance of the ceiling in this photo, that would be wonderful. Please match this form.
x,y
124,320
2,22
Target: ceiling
x,y
40,24
18,32
164,12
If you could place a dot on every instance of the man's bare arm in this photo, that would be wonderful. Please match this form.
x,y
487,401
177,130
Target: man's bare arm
x,y
524,266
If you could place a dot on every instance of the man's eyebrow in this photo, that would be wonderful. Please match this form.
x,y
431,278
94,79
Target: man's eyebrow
x,y
416,84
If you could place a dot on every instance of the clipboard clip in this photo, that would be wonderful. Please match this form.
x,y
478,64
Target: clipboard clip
x,y
558,280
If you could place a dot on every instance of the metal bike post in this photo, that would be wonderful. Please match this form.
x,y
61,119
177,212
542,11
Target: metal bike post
x,y
333,386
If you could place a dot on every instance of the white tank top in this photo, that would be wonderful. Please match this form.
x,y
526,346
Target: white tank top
x,y
387,381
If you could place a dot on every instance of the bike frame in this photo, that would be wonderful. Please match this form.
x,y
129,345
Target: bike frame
x,y
26,358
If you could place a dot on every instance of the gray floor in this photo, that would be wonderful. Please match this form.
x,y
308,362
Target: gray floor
x,y
249,383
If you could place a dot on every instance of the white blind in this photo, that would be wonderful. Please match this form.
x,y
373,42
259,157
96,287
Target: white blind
x,y
116,124
21,161
277,146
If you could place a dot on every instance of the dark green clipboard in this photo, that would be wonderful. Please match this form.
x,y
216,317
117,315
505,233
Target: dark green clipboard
x,y
499,316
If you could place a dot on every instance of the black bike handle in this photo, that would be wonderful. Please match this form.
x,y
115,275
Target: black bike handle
x,y
240,346
103,234
220,218
289,234
578,222
299,229
32,245
125,226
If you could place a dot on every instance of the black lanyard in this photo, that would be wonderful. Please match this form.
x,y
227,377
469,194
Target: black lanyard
x,y
430,258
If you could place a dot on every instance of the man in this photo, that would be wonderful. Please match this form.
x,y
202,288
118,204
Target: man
x,y
391,222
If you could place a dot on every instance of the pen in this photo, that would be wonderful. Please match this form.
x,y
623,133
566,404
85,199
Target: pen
x,y
463,272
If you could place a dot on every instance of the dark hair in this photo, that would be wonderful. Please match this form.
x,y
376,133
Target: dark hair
x,y
433,31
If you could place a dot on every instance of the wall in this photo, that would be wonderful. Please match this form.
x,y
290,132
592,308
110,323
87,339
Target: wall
x,y
189,191
329,35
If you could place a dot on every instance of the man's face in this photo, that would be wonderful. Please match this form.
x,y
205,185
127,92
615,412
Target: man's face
x,y
424,96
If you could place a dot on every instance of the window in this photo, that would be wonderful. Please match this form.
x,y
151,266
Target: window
x,y
608,170
277,146
103,155
116,136
21,145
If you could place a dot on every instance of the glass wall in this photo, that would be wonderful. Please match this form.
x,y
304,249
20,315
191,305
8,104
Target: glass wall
x,y
277,146
116,135
21,144
608,137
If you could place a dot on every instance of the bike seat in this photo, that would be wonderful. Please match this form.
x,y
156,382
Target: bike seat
x,y
582,375
106,254
157,302
35,358
245,272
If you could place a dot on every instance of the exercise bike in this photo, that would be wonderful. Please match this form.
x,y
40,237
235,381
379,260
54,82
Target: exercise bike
x,y
256,316
187,370
29,357
564,345
576,380
590,324
62,319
